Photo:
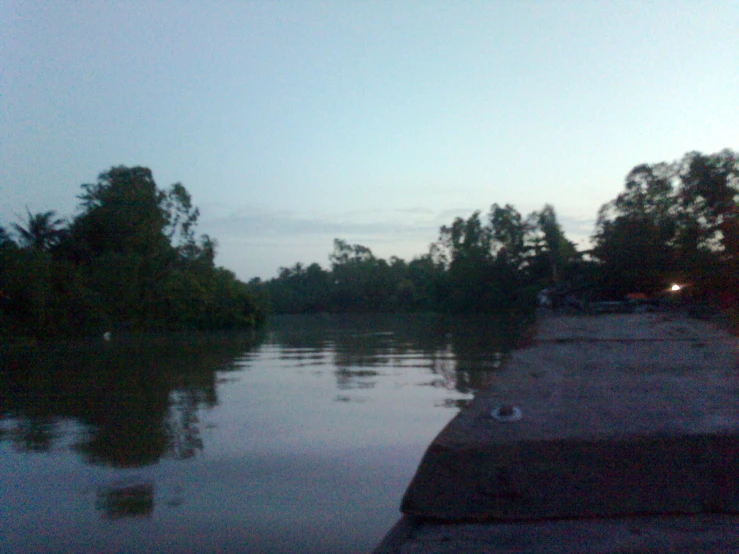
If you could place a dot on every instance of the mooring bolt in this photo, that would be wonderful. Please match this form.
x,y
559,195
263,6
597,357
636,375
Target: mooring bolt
x,y
506,413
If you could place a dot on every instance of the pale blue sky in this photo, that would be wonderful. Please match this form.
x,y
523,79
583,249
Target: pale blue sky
x,y
292,123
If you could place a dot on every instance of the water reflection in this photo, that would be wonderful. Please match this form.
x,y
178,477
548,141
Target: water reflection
x,y
454,403
33,434
183,425
352,398
134,402
252,439
463,352
126,501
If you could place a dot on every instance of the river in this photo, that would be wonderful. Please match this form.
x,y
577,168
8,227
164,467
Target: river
x,y
298,438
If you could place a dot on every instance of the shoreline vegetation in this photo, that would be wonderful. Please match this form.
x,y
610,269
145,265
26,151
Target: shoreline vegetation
x,y
674,223
131,262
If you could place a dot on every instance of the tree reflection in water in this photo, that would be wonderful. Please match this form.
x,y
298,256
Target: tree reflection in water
x,y
125,404
121,501
463,351
33,434
137,400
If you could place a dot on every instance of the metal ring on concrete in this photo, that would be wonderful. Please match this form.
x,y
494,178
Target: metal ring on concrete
x,y
506,413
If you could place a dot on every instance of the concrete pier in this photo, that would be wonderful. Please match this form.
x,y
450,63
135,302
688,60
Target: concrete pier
x,y
602,425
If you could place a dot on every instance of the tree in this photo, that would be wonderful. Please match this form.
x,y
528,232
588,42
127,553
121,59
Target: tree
x,y
708,234
42,231
559,251
182,218
473,282
639,224
299,289
710,195
124,211
139,250
129,259
632,255
467,241
509,232
673,221
361,282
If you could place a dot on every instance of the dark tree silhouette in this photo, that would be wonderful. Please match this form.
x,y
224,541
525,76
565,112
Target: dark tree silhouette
x,y
42,231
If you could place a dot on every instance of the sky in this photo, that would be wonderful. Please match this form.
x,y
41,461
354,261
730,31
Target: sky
x,y
292,123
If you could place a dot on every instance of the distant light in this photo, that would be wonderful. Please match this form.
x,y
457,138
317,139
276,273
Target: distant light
x,y
675,288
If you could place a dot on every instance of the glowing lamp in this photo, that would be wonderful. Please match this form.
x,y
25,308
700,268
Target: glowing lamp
x,y
675,288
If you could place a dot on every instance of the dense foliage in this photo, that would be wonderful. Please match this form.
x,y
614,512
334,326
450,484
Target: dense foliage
x,y
674,222
494,265
129,260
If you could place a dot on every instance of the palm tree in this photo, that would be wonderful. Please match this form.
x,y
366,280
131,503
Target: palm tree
x,y
42,231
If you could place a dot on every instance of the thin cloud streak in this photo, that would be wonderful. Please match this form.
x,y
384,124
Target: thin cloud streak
x,y
249,230
264,223
275,224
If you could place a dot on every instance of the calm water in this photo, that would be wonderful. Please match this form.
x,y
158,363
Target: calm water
x,y
301,438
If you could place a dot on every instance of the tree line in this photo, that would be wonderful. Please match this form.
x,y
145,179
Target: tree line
x,y
674,222
129,260
482,264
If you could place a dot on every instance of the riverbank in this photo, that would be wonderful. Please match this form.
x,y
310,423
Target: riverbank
x,y
621,430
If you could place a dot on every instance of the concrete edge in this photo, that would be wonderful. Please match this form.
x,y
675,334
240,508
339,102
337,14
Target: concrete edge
x,y
398,535
707,533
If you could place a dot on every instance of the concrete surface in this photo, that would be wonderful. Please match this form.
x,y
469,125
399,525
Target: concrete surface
x,y
678,534
621,416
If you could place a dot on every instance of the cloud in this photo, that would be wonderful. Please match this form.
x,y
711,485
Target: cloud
x,y
419,210
257,241
264,224
255,225
446,217
577,225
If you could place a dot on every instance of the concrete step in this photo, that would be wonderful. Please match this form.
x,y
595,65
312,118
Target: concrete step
x,y
646,534
602,417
